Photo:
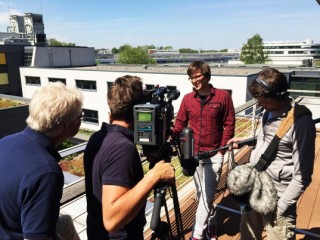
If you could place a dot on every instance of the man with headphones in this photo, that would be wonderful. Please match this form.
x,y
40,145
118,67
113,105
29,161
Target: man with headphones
x,y
210,113
291,166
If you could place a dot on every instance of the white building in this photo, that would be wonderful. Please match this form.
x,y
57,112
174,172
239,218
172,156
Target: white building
x,y
289,53
301,53
94,82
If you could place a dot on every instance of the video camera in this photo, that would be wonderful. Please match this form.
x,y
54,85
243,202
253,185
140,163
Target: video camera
x,y
152,121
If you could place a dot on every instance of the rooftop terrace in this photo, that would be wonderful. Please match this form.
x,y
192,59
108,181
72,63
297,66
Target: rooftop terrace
x,y
308,221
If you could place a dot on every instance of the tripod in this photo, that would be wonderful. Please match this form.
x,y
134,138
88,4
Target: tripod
x,y
162,230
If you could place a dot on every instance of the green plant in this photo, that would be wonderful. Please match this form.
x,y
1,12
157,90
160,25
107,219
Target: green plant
x,y
86,131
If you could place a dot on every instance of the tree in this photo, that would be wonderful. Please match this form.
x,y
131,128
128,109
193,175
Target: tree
x,y
131,55
188,50
55,43
123,47
168,48
252,52
114,50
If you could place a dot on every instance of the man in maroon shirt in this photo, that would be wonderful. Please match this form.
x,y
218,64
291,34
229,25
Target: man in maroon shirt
x,y
210,113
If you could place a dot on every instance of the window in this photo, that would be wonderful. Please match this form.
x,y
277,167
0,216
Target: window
x,y
33,80
90,116
63,80
109,85
4,79
296,52
87,85
28,52
3,58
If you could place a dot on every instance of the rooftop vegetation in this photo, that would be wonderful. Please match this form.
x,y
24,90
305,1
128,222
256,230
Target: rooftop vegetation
x,y
5,103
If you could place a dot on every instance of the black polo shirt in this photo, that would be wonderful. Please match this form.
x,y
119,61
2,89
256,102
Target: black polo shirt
x,y
111,158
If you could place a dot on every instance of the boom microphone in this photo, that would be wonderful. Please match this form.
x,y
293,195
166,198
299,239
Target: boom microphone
x,y
206,154
188,162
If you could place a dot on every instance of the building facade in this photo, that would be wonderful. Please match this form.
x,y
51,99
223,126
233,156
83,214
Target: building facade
x,y
95,81
301,53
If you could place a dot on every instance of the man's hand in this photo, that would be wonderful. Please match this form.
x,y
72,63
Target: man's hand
x,y
234,141
163,171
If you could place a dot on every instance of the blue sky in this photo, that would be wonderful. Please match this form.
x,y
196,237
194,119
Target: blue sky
x,y
200,24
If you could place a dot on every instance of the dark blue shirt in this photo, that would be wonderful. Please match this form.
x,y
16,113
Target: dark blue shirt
x,y
111,158
31,183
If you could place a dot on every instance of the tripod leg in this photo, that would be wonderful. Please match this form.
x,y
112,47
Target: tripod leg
x,y
177,212
168,220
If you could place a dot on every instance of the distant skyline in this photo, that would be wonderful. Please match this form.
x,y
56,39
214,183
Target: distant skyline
x,y
202,24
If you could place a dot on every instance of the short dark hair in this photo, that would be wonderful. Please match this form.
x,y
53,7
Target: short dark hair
x,y
125,92
269,83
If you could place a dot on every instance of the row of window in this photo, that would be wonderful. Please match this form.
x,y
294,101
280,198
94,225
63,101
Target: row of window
x,y
82,84
90,116
290,47
292,52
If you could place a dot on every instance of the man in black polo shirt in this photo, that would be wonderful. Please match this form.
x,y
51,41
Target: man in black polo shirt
x,y
116,188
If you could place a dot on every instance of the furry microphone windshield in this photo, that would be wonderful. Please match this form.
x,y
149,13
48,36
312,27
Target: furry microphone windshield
x,y
258,186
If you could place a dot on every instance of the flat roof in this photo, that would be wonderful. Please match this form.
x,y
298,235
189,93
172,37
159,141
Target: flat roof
x,y
178,69
216,69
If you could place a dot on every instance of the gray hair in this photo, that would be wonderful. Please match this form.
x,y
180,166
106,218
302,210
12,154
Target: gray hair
x,y
52,106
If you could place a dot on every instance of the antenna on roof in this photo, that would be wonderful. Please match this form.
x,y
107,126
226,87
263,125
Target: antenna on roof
x,y
41,9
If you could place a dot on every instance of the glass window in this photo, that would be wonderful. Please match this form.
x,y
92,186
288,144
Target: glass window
x,y
28,52
63,80
4,79
2,58
90,116
33,80
87,85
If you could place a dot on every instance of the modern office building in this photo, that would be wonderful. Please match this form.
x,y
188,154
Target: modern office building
x,y
302,53
94,82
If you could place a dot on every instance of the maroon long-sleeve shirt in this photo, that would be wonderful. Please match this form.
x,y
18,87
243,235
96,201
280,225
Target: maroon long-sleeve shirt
x,y
212,121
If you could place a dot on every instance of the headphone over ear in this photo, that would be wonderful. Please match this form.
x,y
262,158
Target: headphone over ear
x,y
267,87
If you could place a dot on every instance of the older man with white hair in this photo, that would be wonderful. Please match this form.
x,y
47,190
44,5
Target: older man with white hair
x,y
31,180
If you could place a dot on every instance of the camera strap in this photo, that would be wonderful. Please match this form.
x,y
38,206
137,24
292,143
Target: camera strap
x,y
268,156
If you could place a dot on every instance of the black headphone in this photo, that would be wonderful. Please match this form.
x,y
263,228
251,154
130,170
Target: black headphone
x,y
267,87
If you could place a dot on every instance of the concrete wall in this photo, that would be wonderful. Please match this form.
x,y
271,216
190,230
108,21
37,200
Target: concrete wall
x,y
13,120
97,100
63,56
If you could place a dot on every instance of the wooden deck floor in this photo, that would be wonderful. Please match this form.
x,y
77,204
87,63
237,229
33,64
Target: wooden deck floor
x,y
308,220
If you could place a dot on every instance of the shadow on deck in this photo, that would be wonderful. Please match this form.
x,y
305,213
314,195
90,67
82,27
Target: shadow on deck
x,y
308,220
